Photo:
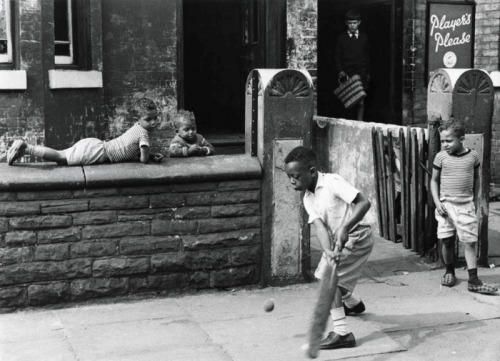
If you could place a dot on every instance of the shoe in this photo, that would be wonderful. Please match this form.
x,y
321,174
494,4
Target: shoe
x,y
480,287
359,308
449,280
16,151
334,340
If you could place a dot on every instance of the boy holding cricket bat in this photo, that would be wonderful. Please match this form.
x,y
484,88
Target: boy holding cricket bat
x,y
337,210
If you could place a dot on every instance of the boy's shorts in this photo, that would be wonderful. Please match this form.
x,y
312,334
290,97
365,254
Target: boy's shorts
x,y
461,219
86,151
352,258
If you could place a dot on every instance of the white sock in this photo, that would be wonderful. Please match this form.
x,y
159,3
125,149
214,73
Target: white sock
x,y
339,321
350,299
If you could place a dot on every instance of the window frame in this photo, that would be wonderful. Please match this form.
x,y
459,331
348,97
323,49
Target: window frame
x,y
78,19
8,58
65,59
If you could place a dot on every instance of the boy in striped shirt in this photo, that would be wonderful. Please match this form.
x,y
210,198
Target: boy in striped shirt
x,y
455,188
133,144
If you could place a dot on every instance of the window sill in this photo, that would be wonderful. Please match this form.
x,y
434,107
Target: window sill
x,y
64,79
13,80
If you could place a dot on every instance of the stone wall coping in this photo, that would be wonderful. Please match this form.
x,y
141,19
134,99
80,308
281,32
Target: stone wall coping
x,y
48,176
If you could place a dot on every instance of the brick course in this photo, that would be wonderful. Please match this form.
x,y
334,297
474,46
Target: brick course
x,y
60,246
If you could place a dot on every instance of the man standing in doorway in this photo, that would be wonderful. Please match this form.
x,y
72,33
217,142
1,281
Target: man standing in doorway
x,y
352,56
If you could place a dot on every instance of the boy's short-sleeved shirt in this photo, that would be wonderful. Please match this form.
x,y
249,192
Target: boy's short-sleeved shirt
x,y
179,146
127,146
331,201
457,174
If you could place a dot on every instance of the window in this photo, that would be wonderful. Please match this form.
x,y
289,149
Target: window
x,y
71,33
64,39
5,32
77,51
250,21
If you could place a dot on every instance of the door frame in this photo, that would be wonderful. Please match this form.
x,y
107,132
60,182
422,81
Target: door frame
x,y
272,30
396,72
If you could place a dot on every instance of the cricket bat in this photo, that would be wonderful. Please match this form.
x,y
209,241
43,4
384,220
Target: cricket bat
x,y
322,309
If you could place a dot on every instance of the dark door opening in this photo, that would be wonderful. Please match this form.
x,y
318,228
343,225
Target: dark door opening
x,y
211,63
381,22
221,44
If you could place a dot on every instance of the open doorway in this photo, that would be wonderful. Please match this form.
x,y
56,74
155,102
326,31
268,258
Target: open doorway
x,y
381,21
221,44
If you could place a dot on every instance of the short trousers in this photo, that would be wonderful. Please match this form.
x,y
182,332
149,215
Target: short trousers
x,y
352,258
461,219
86,151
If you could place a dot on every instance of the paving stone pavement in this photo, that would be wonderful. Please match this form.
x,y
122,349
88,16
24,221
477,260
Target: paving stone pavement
x,y
409,317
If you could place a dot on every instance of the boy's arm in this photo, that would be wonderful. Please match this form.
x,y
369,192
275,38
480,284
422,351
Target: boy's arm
x,y
476,187
361,207
324,238
177,150
435,179
367,58
144,154
338,63
207,147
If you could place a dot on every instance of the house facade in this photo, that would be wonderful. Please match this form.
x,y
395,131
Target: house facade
x,y
70,68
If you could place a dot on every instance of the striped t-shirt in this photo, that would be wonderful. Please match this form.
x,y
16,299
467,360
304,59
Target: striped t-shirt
x,y
457,174
127,146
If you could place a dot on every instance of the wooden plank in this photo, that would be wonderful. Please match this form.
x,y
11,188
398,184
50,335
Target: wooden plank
x,y
383,181
421,202
413,189
404,180
389,161
408,185
433,148
376,172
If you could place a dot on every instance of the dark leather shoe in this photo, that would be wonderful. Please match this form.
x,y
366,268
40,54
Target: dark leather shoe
x,y
359,308
333,341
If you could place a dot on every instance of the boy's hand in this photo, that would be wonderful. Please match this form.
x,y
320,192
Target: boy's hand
x,y
441,210
331,255
341,237
193,149
156,157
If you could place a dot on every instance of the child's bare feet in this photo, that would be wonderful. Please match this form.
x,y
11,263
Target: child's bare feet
x,y
16,151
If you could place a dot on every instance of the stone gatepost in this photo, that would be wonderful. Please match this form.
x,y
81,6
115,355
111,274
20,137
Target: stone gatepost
x,y
278,115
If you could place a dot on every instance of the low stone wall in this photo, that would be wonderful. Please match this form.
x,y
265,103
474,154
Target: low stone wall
x,y
128,228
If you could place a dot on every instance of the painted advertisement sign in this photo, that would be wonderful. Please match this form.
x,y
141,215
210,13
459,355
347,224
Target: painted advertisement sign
x,y
450,35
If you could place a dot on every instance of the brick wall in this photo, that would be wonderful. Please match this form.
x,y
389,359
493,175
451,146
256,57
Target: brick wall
x,y
140,60
73,245
133,43
302,36
486,56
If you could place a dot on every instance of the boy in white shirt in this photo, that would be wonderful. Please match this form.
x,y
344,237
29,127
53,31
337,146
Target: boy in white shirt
x,y
337,209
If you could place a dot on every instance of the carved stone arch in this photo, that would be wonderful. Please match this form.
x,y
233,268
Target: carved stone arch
x,y
440,83
289,83
249,83
474,81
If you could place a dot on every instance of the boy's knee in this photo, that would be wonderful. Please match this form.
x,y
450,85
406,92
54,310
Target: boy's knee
x,y
448,242
470,244
343,291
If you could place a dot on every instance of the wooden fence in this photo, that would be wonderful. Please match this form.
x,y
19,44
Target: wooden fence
x,y
402,168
